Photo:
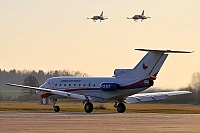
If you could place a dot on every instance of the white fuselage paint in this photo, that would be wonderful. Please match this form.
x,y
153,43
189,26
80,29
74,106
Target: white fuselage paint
x,y
90,86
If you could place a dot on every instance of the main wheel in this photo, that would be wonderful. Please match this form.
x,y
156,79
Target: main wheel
x,y
121,108
88,107
56,108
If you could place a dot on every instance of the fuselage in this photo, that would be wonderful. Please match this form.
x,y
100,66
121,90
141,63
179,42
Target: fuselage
x,y
139,17
91,86
98,17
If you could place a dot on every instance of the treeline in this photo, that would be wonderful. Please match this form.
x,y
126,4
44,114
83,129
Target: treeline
x,y
34,78
194,87
19,77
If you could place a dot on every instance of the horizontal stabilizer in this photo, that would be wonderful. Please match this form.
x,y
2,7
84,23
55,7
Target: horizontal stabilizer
x,y
164,51
143,97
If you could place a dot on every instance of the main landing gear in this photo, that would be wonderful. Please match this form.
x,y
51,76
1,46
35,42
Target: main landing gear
x,y
88,107
55,108
121,108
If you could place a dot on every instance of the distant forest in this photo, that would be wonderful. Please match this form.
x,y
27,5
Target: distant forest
x,y
8,93
20,77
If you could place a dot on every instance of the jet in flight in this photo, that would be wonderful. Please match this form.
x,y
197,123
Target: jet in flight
x,y
124,87
101,17
136,17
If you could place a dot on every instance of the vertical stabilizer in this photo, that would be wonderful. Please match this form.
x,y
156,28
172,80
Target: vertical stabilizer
x,y
150,64
142,13
101,13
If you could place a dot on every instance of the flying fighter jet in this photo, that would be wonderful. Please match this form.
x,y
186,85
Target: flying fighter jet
x,y
98,17
136,17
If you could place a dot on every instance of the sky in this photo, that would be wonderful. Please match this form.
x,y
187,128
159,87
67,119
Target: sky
x,y
56,35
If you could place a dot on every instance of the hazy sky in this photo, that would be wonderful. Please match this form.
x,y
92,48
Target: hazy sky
x,y
54,35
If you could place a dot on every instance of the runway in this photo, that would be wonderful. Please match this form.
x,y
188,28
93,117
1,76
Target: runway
x,y
98,122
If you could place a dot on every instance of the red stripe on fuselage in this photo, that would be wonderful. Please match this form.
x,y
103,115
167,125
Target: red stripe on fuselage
x,y
83,89
132,85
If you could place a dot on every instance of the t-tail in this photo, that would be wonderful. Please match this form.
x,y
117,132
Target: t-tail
x,y
149,66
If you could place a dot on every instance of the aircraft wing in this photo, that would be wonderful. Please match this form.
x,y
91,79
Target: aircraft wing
x,y
143,97
61,93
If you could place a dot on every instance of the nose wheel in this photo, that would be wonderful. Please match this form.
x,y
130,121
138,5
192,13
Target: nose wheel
x,y
88,107
55,108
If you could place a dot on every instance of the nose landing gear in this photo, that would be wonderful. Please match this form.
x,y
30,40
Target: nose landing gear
x,y
55,108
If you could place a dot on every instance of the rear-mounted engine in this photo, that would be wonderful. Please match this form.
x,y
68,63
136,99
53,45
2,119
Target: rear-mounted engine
x,y
148,83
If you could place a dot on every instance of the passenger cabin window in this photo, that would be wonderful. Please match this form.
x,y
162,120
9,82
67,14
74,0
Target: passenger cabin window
x,y
69,84
74,84
64,84
60,84
79,85
55,84
94,85
83,84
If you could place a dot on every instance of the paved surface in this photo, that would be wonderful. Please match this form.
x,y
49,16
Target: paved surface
x,y
98,122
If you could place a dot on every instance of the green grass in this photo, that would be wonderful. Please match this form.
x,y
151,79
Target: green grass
x,y
11,93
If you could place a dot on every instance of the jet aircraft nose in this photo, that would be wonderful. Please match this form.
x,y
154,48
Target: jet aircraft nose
x,y
45,85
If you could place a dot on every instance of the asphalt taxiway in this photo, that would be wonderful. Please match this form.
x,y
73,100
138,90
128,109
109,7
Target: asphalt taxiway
x,y
98,122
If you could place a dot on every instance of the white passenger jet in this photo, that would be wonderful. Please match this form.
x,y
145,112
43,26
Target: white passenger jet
x,y
121,88
136,17
98,17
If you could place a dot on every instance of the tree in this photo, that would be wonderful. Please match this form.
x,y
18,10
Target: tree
x,y
196,86
195,80
1,96
30,94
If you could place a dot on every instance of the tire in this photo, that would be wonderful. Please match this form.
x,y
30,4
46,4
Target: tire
x,y
121,108
88,107
56,108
